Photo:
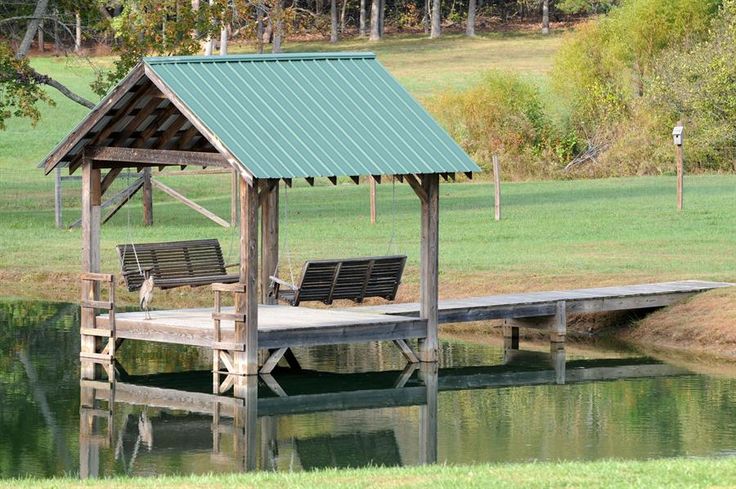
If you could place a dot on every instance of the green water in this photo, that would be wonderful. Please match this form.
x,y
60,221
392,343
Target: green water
x,y
350,407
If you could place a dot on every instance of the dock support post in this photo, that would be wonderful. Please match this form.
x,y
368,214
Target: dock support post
x,y
428,274
269,238
246,332
558,359
428,415
510,337
91,202
555,324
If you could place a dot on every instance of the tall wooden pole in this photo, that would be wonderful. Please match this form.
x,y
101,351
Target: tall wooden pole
x,y
497,187
246,362
429,267
269,238
372,182
679,156
91,201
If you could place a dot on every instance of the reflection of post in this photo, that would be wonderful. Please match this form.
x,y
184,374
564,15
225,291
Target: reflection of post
x,y
245,387
557,356
269,447
91,436
428,415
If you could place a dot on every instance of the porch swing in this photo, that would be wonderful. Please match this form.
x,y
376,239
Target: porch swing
x,y
346,278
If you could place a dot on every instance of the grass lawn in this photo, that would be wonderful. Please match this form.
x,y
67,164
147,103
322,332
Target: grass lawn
x,y
672,473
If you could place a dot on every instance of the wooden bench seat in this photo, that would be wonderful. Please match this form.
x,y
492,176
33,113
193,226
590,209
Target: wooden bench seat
x,y
348,278
174,264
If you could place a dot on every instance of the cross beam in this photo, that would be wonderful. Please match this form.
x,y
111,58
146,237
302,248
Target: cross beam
x,y
156,157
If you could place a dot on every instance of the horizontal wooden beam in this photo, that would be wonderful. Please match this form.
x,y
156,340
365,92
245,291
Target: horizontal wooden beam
x,y
158,157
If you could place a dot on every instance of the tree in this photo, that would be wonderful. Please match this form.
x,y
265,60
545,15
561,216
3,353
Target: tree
x,y
362,23
377,12
545,17
470,27
333,21
436,19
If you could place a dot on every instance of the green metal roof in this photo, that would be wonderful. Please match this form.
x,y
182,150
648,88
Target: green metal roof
x,y
311,115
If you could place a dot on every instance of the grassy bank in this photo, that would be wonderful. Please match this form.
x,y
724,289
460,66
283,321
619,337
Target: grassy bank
x,y
670,473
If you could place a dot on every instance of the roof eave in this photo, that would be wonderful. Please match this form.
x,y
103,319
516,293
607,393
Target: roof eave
x,y
62,149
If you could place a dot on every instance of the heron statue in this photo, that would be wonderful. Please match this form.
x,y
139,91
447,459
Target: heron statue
x,y
145,296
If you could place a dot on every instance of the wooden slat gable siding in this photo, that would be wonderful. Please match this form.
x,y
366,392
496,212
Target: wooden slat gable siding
x,y
174,264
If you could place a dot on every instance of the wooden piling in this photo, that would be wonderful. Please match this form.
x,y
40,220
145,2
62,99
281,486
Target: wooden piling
x,y
429,266
246,332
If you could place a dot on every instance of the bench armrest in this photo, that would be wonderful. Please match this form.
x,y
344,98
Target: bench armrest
x,y
284,283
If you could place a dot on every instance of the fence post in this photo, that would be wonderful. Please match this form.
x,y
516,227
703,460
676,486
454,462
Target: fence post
x,y
57,197
677,135
372,182
497,186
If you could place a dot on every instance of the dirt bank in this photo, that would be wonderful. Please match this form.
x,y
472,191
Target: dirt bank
x,y
703,325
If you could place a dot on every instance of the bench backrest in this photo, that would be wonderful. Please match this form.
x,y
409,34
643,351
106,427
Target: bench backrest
x,y
171,260
350,278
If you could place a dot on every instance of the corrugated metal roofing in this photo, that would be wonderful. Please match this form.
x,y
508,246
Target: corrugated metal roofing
x,y
311,115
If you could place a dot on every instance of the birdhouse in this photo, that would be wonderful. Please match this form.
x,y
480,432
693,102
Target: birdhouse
x,y
677,135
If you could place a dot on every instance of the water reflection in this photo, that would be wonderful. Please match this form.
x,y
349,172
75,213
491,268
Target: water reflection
x,y
241,416
352,406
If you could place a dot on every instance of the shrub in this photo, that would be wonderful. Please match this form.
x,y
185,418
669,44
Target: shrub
x,y
503,114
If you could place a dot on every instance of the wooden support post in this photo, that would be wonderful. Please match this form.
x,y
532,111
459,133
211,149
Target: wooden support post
x,y
428,415
246,362
147,198
497,187
234,197
57,197
269,239
429,267
91,200
372,182
510,337
558,326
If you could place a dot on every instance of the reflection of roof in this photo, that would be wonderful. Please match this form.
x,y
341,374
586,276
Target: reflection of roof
x,y
286,116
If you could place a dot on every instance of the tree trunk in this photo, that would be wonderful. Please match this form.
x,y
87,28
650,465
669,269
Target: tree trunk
x,y
40,37
78,33
436,19
32,28
333,21
545,17
342,15
278,27
223,41
470,27
57,45
259,27
362,29
426,15
381,17
376,34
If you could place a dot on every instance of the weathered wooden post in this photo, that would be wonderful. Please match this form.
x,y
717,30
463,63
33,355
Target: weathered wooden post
x,y
677,136
245,422
246,329
429,266
372,182
91,201
497,187
147,197
57,197
269,238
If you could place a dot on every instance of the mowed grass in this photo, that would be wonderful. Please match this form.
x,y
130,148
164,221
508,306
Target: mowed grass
x,y
672,473
553,234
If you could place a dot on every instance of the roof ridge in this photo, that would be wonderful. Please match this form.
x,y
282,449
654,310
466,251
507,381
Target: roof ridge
x,y
157,60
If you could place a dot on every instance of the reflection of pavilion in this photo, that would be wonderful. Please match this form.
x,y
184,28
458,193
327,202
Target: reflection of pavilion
x,y
257,402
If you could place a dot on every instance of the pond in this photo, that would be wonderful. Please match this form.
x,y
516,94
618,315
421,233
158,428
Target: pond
x,y
352,406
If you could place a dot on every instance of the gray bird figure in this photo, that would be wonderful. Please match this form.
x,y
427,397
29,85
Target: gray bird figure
x,y
145,296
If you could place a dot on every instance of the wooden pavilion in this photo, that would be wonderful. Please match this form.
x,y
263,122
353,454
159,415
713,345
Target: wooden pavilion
x,y
270,118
